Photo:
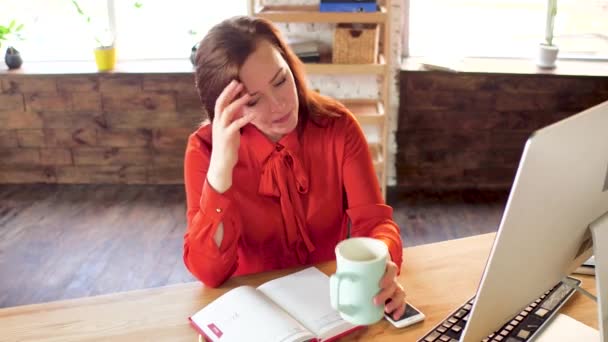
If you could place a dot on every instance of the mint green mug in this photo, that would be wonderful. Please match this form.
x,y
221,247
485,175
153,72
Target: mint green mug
x,y
360,264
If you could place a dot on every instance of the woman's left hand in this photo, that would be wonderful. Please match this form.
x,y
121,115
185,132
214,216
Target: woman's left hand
x,y
391,289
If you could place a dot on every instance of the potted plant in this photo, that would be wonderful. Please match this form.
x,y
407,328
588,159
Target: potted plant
x,y
548,51
11,32
105,51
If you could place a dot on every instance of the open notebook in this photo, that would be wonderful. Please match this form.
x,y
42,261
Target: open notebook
x,y
292,308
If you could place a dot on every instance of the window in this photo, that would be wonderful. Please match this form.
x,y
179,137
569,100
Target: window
x,y
157,30
506,28
53,30
168,29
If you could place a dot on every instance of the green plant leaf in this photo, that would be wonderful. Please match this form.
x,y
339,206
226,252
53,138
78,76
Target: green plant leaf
x,y
19,28
11,25
78,9
137,4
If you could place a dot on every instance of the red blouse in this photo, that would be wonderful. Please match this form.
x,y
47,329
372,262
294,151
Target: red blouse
x,y
286,206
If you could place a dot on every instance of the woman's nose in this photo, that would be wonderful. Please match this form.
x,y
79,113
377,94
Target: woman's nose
x,y
276,104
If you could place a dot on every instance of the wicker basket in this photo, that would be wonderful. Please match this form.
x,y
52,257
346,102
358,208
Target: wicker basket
x,y
355,44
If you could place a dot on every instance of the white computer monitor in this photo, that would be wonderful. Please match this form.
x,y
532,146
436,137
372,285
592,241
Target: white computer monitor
x,y
560,189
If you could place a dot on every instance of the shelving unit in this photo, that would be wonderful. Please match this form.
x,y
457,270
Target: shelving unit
x,y
368,112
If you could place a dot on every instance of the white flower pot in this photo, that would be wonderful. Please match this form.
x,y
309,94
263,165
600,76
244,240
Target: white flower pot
x,y
547,55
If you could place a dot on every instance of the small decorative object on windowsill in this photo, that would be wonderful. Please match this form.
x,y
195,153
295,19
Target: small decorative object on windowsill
x,y
194,48
547,51
11,34
193,54
13,58
105,58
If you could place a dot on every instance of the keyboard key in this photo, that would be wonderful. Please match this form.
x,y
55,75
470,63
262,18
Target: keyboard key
x,y
452,320
519,317
447,324
509,327
498,338
523,333
468,307
445,338
442,329
432,337
514,322
460,313
453,340
537,301
456,328
466,318
533,305
532,323
541,312
504,332
529,308
524,313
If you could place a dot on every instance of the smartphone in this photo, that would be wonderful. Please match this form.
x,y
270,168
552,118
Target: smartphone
x,y
410,316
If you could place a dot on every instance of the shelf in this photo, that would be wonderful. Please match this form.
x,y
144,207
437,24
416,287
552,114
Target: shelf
x,y
311,14
366,111
347,69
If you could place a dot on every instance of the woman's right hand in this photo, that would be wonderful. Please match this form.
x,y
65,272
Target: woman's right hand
x,y
229,118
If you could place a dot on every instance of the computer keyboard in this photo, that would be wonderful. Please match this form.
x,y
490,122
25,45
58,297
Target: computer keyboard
x,y
523,327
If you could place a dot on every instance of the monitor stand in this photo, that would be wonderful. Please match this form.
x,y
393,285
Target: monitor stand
x,y
599,236
599,233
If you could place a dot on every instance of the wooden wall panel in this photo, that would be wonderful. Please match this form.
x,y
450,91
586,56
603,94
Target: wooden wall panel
x,y
100,128
467,130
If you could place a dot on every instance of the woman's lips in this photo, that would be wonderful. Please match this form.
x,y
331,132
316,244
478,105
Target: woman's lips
x,y
282,119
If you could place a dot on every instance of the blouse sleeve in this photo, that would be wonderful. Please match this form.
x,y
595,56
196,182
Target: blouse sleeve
x,y
368,213
206,208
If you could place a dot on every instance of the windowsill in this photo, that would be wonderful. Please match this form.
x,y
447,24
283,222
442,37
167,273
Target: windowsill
x,y
165,66
513,66
183,66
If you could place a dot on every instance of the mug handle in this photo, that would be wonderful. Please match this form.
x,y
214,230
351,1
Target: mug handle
x,y
334,292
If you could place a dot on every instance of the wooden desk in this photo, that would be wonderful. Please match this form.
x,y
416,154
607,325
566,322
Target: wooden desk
x,y
438,278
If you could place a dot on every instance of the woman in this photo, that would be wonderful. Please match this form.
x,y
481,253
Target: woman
x,y
274,178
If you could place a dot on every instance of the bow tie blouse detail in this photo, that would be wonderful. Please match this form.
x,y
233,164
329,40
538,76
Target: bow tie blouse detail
x,y
284,177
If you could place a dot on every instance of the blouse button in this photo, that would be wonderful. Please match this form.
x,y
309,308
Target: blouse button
x,y
218,210
278,147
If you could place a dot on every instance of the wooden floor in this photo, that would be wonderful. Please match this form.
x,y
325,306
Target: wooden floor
x,y
68,241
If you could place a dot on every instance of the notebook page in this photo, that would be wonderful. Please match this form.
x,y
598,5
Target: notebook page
x,y
305,296
244,314
566,329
